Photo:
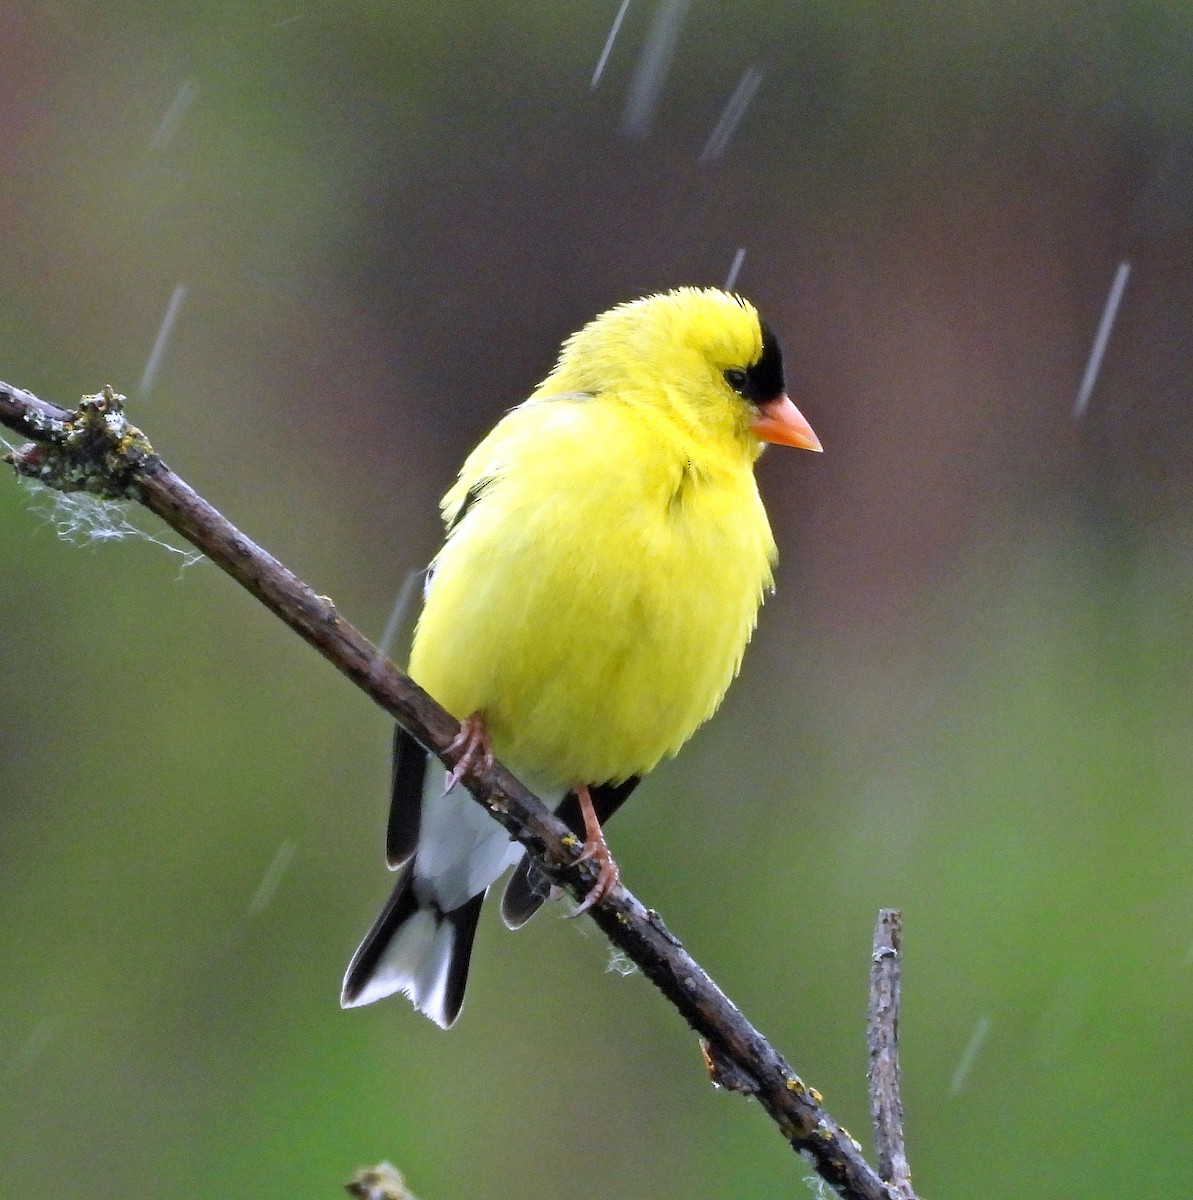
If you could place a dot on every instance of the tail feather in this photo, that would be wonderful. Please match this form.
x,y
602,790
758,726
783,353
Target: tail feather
x,y
417,949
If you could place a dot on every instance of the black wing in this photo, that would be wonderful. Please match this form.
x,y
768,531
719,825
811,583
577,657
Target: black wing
x,y
410,759
406,798
473,494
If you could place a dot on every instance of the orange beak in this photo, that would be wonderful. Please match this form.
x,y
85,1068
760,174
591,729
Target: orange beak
x,y
779,421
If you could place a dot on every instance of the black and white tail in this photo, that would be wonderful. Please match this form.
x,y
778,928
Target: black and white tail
x,y
447,851
417,949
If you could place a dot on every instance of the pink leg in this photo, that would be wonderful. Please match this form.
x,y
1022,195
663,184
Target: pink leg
x,y
595,847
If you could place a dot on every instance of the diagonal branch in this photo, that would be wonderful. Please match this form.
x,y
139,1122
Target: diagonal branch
x,y
97,450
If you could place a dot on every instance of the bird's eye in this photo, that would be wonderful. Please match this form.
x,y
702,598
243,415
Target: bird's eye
x,y
736,379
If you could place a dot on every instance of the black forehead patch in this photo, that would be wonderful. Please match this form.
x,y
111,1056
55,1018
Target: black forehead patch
x,y
766,375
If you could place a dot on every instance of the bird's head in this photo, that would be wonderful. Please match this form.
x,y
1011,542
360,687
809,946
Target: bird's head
x,y
698,356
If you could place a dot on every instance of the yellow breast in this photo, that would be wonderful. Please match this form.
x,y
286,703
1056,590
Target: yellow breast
x,y
595,601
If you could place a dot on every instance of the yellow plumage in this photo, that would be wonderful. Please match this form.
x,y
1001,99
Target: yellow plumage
x,y
606,555
595,602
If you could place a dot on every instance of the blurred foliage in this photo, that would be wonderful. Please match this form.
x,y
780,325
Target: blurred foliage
x,y
970,697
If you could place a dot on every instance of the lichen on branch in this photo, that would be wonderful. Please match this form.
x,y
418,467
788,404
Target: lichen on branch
x,y
94,449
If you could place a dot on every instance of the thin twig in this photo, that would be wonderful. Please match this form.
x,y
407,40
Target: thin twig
x,y
886,1101
637,931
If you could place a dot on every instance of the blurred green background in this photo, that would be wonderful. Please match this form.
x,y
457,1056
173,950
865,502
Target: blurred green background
x,y
970,697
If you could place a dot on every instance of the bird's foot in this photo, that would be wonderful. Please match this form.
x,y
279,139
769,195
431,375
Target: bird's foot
x,y
595,847
472,744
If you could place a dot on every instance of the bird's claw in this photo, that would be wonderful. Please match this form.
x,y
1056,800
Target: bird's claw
x,y
471,743
608,877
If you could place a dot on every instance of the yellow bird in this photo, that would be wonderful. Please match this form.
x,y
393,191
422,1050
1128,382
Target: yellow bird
x,y
606,554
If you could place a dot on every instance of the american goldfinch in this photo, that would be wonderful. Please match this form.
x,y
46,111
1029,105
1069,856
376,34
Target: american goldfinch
x,y
606,554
